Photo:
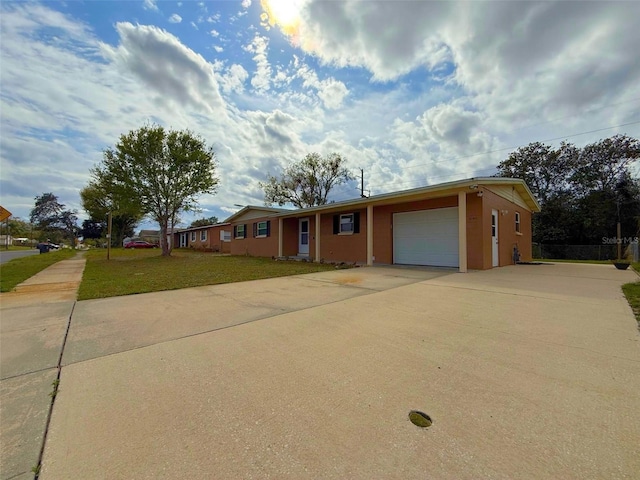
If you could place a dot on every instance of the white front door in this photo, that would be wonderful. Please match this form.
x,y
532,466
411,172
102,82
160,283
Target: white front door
x,y
303,242
495,257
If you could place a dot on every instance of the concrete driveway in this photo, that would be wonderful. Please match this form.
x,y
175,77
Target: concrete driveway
x,y
528,371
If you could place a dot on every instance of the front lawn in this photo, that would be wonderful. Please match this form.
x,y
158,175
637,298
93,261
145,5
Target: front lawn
x,y
142,271
19,269
632,292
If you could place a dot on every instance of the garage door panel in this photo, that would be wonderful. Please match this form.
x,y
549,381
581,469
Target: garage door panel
x,y
426,237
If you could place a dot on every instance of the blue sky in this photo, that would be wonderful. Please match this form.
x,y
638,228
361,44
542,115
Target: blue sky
x,y
414,93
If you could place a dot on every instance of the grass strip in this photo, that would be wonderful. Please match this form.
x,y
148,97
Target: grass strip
x,y
142,271
19,269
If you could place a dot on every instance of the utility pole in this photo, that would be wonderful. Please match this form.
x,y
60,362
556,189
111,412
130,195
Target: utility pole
x,y
109,236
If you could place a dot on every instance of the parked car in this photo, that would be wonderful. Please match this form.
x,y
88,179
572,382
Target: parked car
x,y
140,244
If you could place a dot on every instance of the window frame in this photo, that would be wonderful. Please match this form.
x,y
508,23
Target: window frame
x,y
193,236
265,229
203,235
517,223
352,223
238,233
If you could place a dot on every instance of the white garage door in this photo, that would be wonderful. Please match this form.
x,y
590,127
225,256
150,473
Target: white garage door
x,y
426,237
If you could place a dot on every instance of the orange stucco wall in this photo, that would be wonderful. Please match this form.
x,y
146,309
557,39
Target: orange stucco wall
x,y
256,247
383,224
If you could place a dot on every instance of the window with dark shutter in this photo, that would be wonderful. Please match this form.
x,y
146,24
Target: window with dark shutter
x,y
262,229
356,222
255,229
336,224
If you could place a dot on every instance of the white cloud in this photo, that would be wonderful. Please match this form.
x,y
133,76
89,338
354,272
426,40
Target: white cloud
x,y
214,33
233,80
516,58
175,18
331,91
259,46
150,5
449,85
246,4
161,61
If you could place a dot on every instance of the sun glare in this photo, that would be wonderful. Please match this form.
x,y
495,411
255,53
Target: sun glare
x,y
284,13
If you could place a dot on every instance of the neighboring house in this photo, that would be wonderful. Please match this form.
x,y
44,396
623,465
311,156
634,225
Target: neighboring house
x,y
210,238
6,240
151,236
477,223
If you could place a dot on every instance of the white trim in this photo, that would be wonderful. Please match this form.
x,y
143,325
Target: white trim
x,y
300,233
495,244
280,236
462,232
317,239
369,235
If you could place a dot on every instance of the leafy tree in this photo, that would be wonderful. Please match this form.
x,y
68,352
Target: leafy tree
x,y
164,171
20,228
544,169
307,183
50,216
92,228
601,165
202,222
582,191
97,201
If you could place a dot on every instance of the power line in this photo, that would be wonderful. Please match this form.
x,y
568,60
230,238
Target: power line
x,y
512,148
574,114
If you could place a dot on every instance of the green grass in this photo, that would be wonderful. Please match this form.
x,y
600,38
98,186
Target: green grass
x,y
19,269
141,271
632,292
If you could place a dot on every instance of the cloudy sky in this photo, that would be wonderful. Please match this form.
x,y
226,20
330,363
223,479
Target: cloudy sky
x,y
412,92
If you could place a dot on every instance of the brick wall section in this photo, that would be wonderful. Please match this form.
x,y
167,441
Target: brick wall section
x,y
343,248
507,236
212,242
476,236
255,247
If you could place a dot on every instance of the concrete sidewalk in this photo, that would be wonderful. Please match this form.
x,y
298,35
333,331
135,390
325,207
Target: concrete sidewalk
x,y
527,371
33,324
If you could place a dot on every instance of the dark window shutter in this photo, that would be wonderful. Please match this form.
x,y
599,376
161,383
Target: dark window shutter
x,y
356,222
235,231
255,229
244,235
336,224
268,228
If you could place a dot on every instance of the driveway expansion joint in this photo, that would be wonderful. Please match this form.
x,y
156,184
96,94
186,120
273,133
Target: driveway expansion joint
x,y
54,394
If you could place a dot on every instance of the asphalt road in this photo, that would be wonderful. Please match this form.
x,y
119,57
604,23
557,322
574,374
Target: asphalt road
x,y
6,255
